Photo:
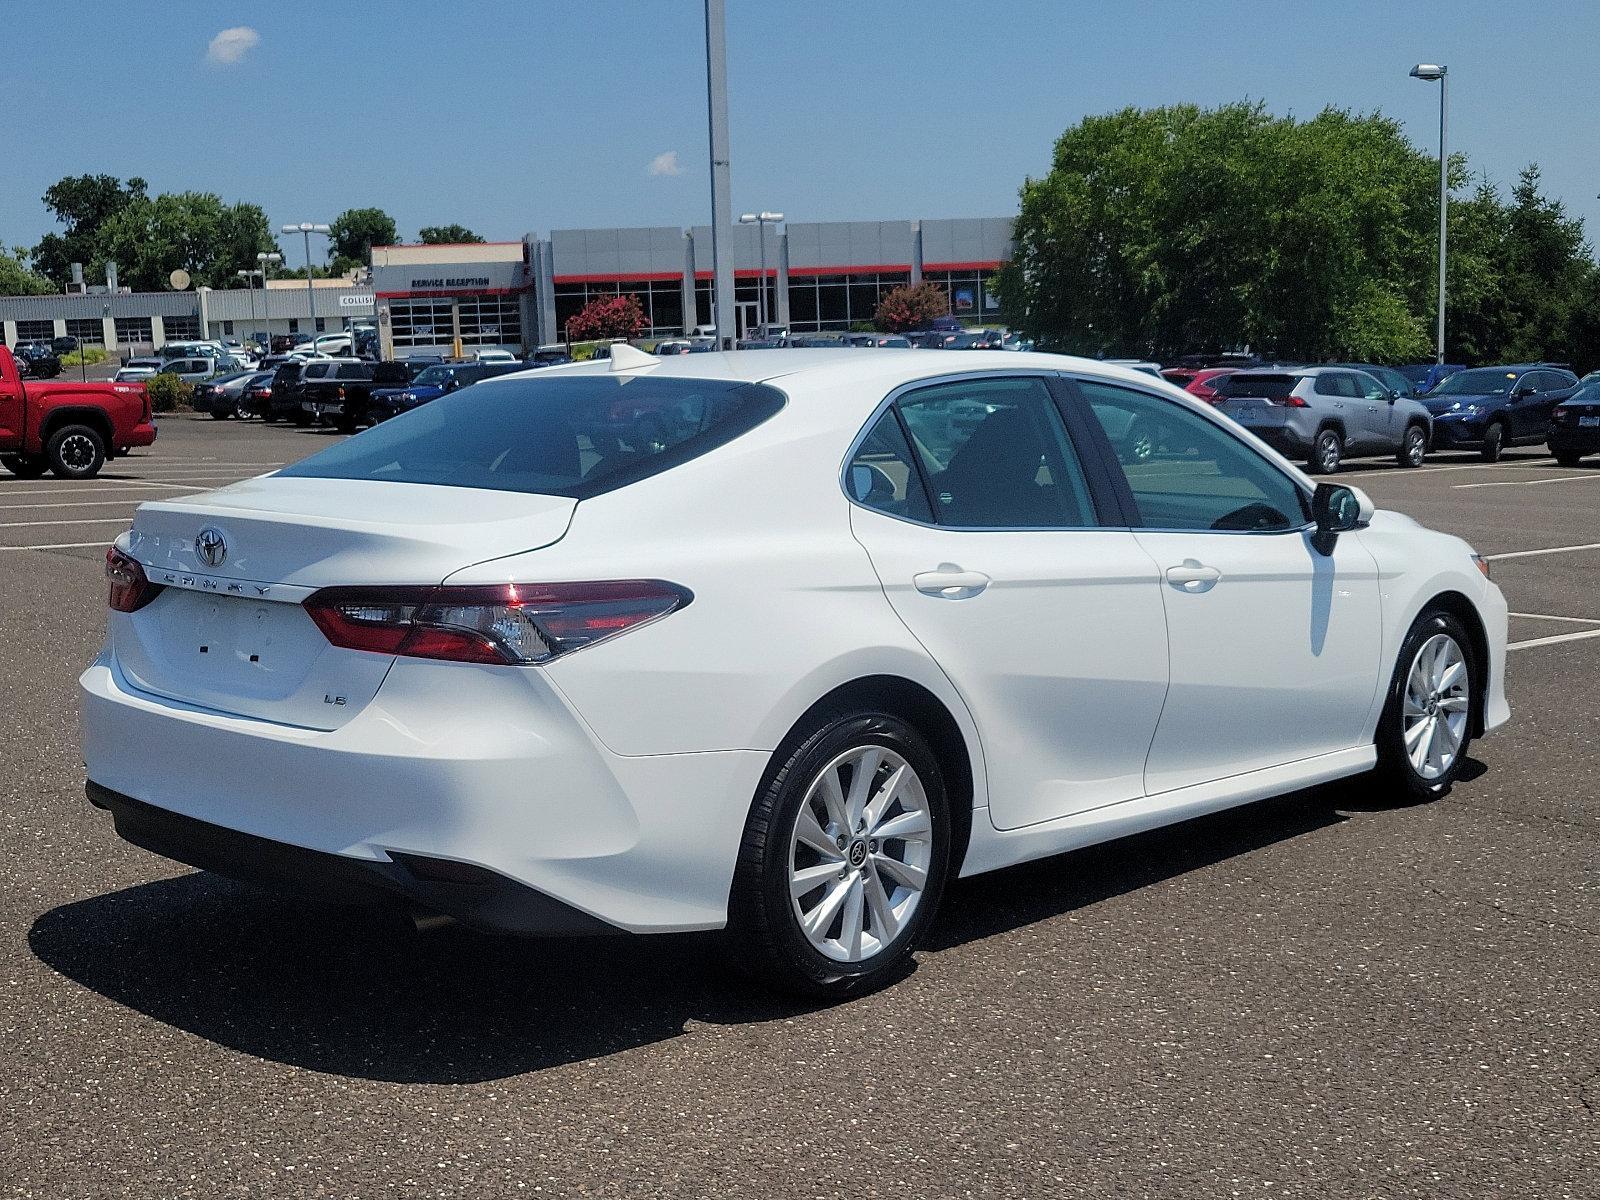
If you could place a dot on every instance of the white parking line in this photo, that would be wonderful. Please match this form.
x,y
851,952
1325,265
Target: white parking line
x,y
1588,478
1546,550
84,503
123,520
1554,638
59,546
123,485
1406,473
1548,617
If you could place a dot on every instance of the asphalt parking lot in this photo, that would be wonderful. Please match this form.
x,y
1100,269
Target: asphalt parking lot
x,y
1314,996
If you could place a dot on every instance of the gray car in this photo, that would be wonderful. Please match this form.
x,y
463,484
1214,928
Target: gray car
x,y
1324,415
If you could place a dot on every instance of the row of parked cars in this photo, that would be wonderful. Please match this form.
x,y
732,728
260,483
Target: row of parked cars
x,y
349,392
1327,412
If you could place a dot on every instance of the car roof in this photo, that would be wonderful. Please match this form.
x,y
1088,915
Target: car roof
x,y
888,368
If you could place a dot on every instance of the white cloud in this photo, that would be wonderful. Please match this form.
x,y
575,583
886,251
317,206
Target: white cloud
x,y
229,46
666,164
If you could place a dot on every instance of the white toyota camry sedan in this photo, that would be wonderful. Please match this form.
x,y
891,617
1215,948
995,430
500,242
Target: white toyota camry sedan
x,y
777,642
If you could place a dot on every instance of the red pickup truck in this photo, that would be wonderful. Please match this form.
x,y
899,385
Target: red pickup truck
x,y
68,428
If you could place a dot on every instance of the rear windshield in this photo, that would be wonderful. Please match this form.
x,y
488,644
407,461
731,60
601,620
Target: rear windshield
x,y
575,436
1272,387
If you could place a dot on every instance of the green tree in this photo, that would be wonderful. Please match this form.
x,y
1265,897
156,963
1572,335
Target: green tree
x,y
84,204
17,280
149,238
447,235
355,232
1168,230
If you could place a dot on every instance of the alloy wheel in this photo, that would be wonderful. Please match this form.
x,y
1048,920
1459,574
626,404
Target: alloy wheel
x,y
1328,452
77,452
1436,706
1415,447
860,853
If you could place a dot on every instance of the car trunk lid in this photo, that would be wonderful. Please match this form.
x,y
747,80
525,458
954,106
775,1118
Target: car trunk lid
x,y
229,632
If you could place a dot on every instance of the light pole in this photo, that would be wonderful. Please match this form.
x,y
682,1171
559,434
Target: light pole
x,y
1440,72
267,261
721,207
306,229
761,220
249,278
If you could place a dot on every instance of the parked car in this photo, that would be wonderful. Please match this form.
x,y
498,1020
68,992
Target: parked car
x,y
316,371
1425,377
334,345
431,384
197,349
517,659
1575,424
760,344
549,356
64,345
138,369
880,341
223,396
1015,341
1323,415
1204,382
37,361
283,394
817,341
190,370
670,346
496,356
339,392
256,400
67,428
1488,409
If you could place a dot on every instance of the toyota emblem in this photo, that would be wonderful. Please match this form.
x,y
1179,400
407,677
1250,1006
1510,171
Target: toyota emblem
x,y
210,547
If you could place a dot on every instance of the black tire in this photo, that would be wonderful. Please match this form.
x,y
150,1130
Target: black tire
x,y
1413,447
1395,768
220,414
26,466
75,452
1494,442
268,417
1327,448
1568,460
301,418
764,931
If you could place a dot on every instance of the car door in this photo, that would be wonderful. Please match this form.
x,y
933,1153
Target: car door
x,y
990,538
1376,406
1273,645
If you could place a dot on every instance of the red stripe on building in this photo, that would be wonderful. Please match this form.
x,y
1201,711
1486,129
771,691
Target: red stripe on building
x,y
963,266
449,295
626,277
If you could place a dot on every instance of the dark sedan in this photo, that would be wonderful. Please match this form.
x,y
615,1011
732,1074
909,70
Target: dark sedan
x,y
1488,409
1575,426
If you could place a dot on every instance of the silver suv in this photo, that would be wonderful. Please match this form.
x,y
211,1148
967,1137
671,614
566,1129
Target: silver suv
x,y
1326,414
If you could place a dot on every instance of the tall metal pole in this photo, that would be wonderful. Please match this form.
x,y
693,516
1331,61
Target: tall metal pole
x,y
721,205
1444,194
311,289
761,292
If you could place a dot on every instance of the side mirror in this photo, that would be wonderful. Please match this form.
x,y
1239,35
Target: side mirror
x,y
1337,509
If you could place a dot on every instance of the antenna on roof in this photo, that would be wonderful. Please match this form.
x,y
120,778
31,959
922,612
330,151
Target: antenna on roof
x,y
630,358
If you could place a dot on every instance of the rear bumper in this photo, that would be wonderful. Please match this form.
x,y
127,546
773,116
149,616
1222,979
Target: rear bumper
x,y
1564,439
470,894
1287,430
483,766
142,434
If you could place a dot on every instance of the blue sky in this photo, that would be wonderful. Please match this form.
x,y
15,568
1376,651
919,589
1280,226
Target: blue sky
x,y
535,115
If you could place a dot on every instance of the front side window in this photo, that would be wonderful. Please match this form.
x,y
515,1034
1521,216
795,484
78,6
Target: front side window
x,y
576,436
1185,472
995,455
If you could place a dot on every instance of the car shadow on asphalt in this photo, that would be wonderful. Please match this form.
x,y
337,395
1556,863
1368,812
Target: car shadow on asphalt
x,y
356,992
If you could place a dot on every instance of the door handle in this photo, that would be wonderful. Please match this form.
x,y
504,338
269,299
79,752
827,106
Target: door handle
x,y
950,583
1193,576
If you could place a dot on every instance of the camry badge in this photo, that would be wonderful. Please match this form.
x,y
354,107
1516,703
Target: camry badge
x,y
210,547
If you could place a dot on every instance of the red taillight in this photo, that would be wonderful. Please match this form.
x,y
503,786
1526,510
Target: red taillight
x,y
502,624
131,590
341,391
1559,412
1289,401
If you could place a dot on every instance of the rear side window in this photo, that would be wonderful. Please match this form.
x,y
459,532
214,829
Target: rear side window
x,y
1269,387
576,436
354,371
883,476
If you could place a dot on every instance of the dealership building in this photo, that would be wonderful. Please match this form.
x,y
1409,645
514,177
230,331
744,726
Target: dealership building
x,y
816,276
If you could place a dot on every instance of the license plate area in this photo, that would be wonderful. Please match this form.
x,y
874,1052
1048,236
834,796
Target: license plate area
x,y
1589,422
